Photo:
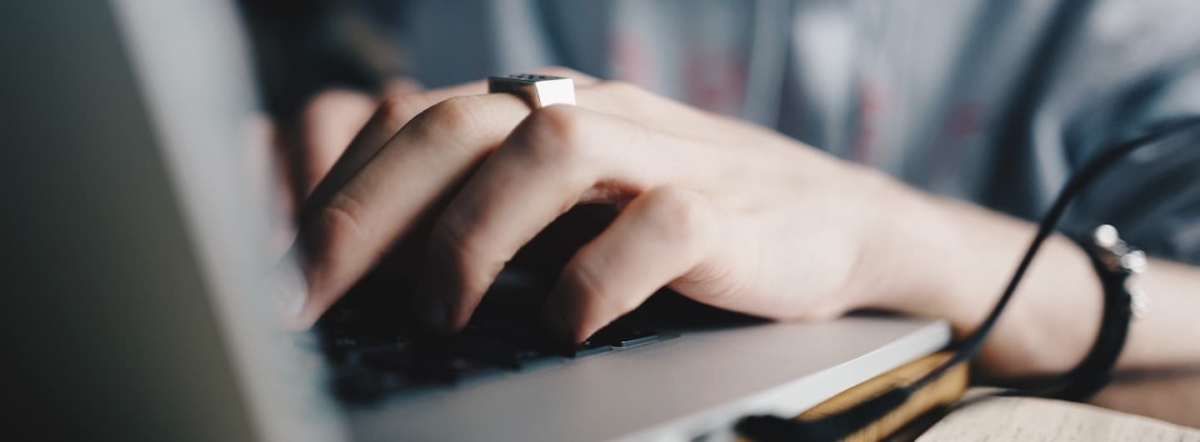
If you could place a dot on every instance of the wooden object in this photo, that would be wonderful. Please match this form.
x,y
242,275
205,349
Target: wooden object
x,y
939,393
942,392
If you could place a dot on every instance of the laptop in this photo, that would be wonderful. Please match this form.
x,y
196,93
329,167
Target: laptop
x,y
136,239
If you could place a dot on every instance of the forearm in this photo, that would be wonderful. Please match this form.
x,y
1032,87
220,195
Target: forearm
x,y
1171,395
1169,336
962,256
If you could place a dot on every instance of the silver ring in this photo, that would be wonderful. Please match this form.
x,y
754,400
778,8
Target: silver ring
x,y
538,90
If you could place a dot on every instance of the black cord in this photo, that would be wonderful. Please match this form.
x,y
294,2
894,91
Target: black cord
x,y
839,425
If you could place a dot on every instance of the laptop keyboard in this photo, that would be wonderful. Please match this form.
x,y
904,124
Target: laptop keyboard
x,y
369,364
375,350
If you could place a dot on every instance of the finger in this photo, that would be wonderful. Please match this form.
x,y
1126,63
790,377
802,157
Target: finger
x,y
390,115
327,124
348,234
651,110
402,101
661,236
556,158
401,86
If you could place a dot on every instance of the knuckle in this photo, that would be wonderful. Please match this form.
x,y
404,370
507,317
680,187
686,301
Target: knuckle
x,y
330,101
456,248
396,111
588,274
719,284
338,222
622,93
451,243
680,216
454,115
621,88
553,133
447,242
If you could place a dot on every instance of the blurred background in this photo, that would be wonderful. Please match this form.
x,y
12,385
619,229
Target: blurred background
x,y
991,102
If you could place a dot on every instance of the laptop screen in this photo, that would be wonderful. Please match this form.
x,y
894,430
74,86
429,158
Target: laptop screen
x,y
192,63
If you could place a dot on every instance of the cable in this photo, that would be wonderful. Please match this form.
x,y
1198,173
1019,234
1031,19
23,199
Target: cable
x,y
837,426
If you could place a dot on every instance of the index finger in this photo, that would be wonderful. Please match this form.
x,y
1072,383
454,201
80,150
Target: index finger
x,y
344,237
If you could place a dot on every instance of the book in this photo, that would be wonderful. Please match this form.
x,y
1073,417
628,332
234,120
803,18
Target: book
x,y
1003,419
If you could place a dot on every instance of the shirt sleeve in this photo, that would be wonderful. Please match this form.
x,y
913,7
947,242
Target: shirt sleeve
x,y
301,48
1127,68
1152,196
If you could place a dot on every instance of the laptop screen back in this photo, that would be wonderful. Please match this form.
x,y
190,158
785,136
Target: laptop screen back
x,y
136,245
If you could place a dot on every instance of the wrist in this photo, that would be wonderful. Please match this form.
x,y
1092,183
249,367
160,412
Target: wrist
x,y
907,253
951,259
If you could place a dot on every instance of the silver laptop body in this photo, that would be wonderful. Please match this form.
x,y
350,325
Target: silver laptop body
x,y
135,223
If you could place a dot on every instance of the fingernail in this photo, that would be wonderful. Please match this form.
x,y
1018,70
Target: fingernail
x,y
431,307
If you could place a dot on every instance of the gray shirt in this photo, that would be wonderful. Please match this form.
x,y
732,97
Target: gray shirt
x,y
995,102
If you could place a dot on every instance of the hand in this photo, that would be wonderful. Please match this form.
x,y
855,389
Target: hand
x,y
326,125
724,212
721,211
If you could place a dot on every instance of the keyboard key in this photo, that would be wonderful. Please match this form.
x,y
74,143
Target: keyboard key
x,y
529,359
588,348
505,353
358,386
342,344
638,337
373,362
625,337
365,386
453,369
395,359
